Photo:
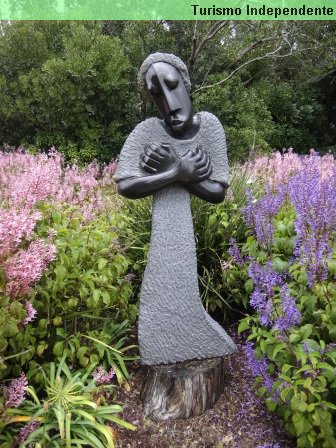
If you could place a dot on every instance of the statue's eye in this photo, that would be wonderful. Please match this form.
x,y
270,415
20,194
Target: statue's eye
x,y
154,91
171,83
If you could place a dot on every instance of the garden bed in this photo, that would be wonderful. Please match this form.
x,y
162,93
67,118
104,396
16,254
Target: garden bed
x,y
238,420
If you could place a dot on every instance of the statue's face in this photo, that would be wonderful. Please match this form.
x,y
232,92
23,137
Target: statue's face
x,y
167,90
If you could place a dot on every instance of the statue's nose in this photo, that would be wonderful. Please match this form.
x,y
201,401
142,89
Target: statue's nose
x,y
171,102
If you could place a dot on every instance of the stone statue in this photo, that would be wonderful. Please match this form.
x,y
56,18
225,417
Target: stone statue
x,y
170,158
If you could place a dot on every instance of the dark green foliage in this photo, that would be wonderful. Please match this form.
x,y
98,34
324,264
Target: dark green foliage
x,y
71,94
298,117
73,84
247,120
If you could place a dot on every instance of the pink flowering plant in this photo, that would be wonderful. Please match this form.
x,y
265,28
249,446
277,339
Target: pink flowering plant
x,y
62,262
286,270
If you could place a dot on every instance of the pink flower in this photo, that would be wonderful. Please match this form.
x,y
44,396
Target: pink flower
x,y
26,267
30,313
15,225
101,377
15,393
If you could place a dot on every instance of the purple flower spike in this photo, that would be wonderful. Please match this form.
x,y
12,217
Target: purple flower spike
x,y
27,430
315,202
258,367
264,307
259,215
235,253
16,392
265,278
291,316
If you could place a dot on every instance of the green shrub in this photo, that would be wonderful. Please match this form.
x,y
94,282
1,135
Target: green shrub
x,y
84,291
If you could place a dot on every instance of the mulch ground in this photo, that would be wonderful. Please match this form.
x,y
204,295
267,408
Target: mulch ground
x,y
238,420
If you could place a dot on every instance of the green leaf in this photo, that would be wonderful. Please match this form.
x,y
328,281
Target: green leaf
x,y
106,297
120,422
297,404
271,404
305,331
286,367
102,262
10,327
294,337
284,393
249,286
278,348
330,405
299,423
243,325
82,351
58,348
96,295
60,272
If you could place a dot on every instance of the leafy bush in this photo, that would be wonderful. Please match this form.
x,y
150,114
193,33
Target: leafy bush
x,y
287,271
85,288
215,226
66,215
68,91
248,122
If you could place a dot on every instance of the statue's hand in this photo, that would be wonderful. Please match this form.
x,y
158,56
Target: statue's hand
x,y
156,159
194,166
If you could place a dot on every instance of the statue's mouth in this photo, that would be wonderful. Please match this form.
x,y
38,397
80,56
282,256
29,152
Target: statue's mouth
x,y
176,122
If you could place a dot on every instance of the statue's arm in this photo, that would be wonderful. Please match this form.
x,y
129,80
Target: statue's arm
x,y
140,187
208,190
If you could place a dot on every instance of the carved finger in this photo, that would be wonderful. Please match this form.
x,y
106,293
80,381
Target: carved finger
x,y
147,168
199,154
152,146
166,146
155,149
153,154
205,168
202,161
169,149
205,175
190,154
153,163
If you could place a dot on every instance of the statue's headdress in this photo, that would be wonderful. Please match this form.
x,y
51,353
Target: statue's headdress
x,y
164,57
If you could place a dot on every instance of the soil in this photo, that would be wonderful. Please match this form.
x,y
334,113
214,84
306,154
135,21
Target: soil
x,y
239,419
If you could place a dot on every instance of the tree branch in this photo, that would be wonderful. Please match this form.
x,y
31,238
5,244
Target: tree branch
x,y
248,49
272,54
194,42
196,48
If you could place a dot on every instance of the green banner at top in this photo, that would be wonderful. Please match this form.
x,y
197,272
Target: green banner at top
x,y
167,10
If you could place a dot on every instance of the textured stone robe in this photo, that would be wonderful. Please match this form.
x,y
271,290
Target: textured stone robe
x,y
173,325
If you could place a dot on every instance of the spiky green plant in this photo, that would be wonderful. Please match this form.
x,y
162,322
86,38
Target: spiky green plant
x,y
74,412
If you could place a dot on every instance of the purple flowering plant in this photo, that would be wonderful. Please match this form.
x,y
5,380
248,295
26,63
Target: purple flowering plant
x,y
287,271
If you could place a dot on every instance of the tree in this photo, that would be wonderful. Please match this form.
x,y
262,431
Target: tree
x,y
71,95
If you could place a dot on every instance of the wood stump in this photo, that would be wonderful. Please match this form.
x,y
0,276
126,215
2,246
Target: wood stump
x,y
182,390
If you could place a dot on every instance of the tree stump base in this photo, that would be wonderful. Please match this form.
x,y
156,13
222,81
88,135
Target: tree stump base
x,y
182,390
